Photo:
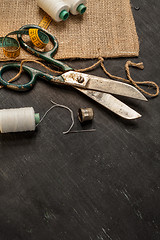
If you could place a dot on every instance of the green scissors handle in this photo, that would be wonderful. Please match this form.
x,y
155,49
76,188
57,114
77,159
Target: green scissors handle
x,y
47,56
34,73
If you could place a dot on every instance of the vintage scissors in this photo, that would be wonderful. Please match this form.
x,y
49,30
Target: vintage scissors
x,y
97,88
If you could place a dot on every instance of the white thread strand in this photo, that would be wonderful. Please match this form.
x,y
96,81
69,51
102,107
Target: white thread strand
x,y
53,8
82,131
17,120
73,5
62,106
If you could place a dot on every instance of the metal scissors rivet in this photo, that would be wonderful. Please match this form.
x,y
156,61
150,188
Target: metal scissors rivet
x,y
85,114
80,79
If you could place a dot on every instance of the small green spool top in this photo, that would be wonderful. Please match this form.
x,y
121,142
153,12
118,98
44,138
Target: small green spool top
x,y
64,15
37,118
81,8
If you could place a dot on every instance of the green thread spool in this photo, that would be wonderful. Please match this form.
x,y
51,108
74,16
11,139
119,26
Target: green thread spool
x,y
81,9
76,6
37,118
64,15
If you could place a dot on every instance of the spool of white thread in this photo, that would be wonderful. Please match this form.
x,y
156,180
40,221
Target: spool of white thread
x,y
76,6
18,119
57,9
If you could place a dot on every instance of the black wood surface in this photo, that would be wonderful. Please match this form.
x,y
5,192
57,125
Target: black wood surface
x,y
86,186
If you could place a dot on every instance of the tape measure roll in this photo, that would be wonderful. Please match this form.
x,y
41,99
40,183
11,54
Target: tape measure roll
x,y
11,46
38,38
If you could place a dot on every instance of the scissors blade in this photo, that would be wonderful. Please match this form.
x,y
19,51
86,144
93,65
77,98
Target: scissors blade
x,y
114,87
96,83
112,103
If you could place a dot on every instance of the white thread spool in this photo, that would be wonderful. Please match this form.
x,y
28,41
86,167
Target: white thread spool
x,y
18,120
76,6
57,9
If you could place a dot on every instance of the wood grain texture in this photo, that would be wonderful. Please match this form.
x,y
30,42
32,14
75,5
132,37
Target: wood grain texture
x,y
103,185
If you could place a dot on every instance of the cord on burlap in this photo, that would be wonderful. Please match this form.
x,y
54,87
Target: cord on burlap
x,y
101,63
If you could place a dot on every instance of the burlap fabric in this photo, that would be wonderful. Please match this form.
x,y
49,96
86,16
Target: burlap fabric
x,y
107,28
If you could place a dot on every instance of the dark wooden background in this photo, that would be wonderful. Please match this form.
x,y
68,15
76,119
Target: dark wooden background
x,y
103,185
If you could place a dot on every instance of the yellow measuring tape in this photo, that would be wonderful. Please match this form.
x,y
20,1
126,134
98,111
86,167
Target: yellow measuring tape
x,y
11,46
45,21
35,38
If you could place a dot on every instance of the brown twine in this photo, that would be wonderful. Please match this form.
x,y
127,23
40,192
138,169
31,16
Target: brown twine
x,y
21,69
101,63
48,68
130,80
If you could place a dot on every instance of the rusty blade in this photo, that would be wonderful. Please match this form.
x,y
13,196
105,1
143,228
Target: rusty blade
x,y
114,87
95,83
112,103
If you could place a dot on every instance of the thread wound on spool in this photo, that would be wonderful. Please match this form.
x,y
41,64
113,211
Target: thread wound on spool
x,y
17,120
57,9
76,6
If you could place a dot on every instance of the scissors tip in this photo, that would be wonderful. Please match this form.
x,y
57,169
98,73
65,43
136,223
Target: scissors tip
x,y
139,115
133,117
143,98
